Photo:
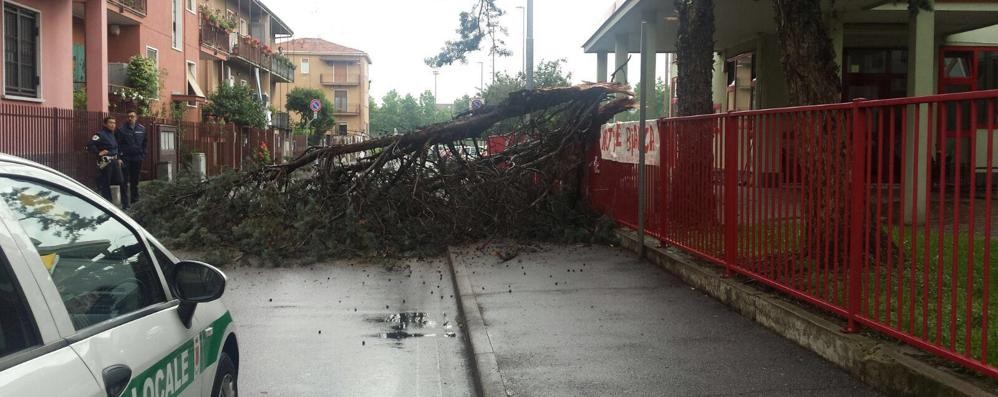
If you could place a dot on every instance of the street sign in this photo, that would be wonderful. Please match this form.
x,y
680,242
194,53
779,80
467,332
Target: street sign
x,y
476,103
315,105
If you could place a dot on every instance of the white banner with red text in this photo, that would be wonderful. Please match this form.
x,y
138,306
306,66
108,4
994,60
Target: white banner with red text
x,y
619,142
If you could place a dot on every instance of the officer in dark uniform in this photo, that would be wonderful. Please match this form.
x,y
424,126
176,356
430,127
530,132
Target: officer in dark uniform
x,y
105,147
131,138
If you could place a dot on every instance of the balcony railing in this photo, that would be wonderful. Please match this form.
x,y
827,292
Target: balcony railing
x,y
282,67
346,109
253,51
214,37
281,120
330,79
135,6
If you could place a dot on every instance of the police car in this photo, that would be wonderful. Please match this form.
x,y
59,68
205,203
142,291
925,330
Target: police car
x,y
92,305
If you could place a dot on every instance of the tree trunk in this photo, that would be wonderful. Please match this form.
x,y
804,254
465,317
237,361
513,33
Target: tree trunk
x,y
694,206
808,57
695,57
813,78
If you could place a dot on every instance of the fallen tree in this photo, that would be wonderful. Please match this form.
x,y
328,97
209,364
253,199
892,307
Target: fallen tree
x,y
407,194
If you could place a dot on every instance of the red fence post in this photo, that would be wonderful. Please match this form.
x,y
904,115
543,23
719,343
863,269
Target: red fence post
x,y
730,193
857,208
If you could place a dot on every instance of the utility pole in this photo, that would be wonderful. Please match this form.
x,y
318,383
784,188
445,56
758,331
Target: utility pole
x,y
530,45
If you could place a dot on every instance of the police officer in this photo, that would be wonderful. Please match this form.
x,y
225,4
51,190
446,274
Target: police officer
x,y
131,138
105,147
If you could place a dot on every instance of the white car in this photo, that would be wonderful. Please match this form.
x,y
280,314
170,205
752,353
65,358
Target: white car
x,y
92,305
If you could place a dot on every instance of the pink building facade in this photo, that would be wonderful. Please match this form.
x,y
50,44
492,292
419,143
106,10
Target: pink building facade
x,y
38,73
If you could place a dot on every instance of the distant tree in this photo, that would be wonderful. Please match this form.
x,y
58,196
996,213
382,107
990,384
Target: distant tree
x,y
237,103
405,114
298,102
658,105
476,25
461,105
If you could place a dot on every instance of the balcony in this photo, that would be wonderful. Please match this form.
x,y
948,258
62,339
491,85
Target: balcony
x,y
214,37
137,7
346,110
333,80
256,53
282,67
281,121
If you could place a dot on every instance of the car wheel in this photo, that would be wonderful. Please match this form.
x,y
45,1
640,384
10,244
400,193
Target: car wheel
x,y
225,378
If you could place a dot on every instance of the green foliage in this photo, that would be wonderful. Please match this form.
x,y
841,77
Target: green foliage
x,y
398,114
298,101
480,23
142,82
217,18
658,106
238,104
177,111
547,74
300,220
80,98
914,6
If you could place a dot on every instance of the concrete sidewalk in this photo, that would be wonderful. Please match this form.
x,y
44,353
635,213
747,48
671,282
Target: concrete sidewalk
x,y
597,321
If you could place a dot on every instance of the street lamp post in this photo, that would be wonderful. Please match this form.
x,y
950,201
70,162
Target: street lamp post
x,y
436,72
481,76
530,45
523,37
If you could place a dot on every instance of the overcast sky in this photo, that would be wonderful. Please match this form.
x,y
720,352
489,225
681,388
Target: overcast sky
x,y
399,34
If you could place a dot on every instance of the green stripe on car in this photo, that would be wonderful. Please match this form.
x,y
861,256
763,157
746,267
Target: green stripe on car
x,y
171,375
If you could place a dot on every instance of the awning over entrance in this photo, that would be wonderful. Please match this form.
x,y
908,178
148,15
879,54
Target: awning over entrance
x,y
738,21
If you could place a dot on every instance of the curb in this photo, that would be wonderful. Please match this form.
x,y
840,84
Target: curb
x,y
484,367
887,367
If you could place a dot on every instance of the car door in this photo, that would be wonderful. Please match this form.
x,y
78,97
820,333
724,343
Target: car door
x,y
102,285
32,353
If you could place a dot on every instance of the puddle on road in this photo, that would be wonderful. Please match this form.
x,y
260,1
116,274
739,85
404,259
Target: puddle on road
x,y
405,325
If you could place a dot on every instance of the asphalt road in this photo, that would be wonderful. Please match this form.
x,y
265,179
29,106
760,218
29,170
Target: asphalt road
x,y
596,321
348,329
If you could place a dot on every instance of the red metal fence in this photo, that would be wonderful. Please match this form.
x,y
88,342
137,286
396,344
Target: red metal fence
x,y
877,211
58,137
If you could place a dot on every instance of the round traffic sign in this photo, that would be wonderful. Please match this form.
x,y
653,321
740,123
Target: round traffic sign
x,y
315,105
477,103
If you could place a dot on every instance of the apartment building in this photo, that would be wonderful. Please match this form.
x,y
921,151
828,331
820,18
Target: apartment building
x,y
239,46
339,71
64,45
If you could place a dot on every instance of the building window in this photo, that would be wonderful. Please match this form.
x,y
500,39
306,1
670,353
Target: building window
x,y
340,100
21,51
342,129
740,72
968,69
304,66
874,73
153,54
178,24
190,5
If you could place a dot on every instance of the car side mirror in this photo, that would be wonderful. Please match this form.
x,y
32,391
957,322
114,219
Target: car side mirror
x,y
195,282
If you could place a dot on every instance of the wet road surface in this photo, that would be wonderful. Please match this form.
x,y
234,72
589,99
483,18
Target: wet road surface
x,y
595,321
348,329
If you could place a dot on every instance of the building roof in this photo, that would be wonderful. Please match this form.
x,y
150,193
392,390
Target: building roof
x,y
317,46
274,20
